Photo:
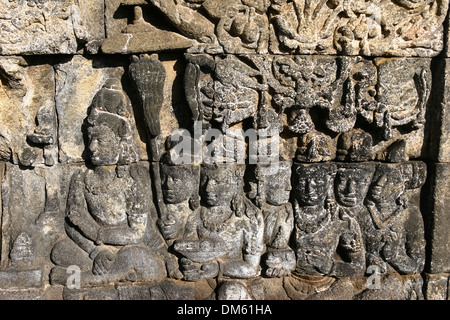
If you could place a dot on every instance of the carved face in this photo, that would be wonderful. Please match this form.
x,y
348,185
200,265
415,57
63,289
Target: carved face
x,y
171,224
218,185
104,146
278,186
387,186
178,183
351,184
311,184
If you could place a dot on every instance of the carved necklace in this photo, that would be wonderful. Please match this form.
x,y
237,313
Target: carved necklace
x,y
100,182
308,226
213,226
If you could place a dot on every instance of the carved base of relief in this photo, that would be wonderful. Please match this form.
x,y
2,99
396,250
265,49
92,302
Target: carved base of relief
x,y
437,286
385,287
165,290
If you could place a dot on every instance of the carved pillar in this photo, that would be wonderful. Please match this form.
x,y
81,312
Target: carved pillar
x,y
437,215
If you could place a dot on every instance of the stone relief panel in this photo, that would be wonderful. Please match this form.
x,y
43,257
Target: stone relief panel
x,y
327,108
375,28
28,113
318,218
243,149
110,217
50,27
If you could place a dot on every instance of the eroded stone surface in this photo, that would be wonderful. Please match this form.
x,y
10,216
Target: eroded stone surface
x,y
375,28
228,150
50,27
28,114
437,218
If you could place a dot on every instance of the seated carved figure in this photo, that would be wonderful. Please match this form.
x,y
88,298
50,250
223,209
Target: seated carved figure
x,y
180,195
270,190
110,217
326,244
226,237
399,241
351,185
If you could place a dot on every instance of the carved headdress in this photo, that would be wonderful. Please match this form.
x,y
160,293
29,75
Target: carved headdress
x,y
111,108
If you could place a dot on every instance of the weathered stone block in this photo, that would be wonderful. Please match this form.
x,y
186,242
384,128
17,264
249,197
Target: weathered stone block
x,y
381,28
27,111
438,219
438,119
437,286
50,27
141,36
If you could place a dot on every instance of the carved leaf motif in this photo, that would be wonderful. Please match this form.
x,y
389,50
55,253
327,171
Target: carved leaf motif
x,y
149,76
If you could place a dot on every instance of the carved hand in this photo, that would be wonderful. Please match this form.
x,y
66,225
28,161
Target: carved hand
x,y
172,269
88,229
102,262
280,263
193,271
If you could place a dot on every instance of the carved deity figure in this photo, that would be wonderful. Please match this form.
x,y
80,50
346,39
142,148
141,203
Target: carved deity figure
x,y
180,195
397,225
326,243
110,218
351,185
179,185
226,236
270,190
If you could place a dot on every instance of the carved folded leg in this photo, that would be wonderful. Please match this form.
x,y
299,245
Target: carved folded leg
x,y
138,263
66,253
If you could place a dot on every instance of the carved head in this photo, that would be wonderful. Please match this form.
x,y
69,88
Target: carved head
x,y
311,183
112,99
388,185
109,139
179,174
271,183
221,183
354,145
352,182
179,182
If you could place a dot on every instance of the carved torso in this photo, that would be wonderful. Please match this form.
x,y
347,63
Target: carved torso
x,y
107,199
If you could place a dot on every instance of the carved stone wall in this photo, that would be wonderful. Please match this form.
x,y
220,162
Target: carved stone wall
x,y
210,149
